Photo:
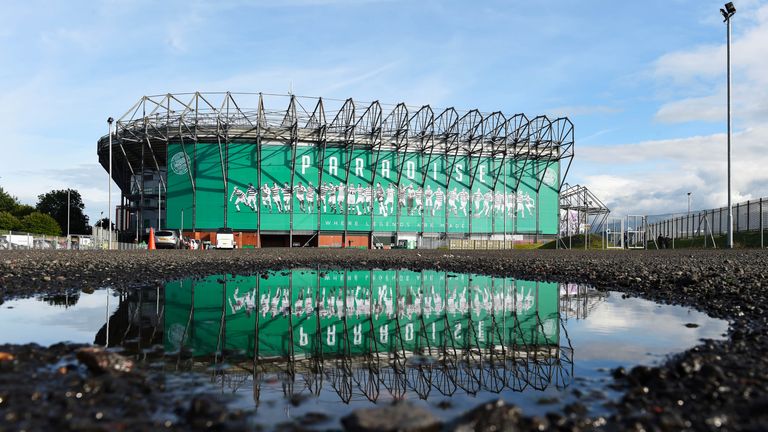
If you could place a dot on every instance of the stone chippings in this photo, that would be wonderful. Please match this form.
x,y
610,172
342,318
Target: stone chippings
x,y
399,417
718,385
75,387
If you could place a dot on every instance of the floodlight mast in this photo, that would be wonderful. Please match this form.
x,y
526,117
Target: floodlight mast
x,y
727,13
109,186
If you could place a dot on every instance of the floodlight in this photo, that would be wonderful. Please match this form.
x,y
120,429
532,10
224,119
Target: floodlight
x,y
729,10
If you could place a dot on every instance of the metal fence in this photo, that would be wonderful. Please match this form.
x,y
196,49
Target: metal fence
x,y
747,216
23,240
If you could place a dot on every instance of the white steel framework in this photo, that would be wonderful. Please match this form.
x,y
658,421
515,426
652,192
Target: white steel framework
x,y
143,133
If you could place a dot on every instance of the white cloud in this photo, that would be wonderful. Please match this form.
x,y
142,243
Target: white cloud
x,y
704,61
653,177
576,110
300,3
698,75
706,108
68,67
595,135
56,147
181,28
617,329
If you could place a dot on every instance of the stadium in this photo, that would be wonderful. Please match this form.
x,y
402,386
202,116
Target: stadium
x,y
285,170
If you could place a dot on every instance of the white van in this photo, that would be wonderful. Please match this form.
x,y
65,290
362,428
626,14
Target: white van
x,y
225,239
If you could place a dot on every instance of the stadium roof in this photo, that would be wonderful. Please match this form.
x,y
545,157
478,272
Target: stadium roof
x,y
143,132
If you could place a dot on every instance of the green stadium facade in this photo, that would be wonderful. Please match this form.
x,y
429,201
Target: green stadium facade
x,y
284,170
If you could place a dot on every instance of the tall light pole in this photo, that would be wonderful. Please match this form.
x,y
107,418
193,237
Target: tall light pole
x,y
688,217
727,14
69,207
109,186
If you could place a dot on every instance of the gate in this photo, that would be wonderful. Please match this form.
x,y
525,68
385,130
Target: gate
x,y
635,232
614,233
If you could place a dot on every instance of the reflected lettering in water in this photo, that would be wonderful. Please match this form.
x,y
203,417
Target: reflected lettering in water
x,y
362,334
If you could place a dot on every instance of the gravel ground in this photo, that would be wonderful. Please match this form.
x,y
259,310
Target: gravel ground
x,y
714,386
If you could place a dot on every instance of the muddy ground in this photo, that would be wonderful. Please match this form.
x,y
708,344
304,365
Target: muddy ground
x,y
716,386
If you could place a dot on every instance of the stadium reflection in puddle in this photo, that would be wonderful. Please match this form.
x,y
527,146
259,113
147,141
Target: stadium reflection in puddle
x,y
369,336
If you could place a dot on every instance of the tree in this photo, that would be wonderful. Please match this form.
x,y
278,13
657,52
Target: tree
x,y
54,203
39,223
9,221
7,202
22,210
103,223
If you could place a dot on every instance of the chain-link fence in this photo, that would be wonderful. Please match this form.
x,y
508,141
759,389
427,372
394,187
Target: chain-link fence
x,y
22,240
750,216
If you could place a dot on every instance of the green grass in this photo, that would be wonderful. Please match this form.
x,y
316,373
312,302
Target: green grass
x,y
741,240
577,242
528,245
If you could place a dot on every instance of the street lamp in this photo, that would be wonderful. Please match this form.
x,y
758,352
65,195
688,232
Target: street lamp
x,y
109,185
728,12
182,216
159,202
69,208
181,230
688,217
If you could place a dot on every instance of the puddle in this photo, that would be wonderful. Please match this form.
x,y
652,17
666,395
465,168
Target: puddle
x,y
45,320
296,343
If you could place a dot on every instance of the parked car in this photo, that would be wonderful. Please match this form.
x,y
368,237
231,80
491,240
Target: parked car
x,y
18,241
225,239
167,239
43,244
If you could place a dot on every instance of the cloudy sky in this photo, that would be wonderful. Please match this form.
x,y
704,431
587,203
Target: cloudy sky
x,y
643,82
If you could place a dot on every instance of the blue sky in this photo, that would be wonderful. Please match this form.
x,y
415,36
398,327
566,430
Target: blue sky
x,y
643,82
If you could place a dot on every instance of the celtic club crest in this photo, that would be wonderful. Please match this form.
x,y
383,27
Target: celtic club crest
x,y
180,163
550,178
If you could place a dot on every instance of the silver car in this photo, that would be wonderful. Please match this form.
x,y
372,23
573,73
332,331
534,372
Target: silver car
x,y
167,239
